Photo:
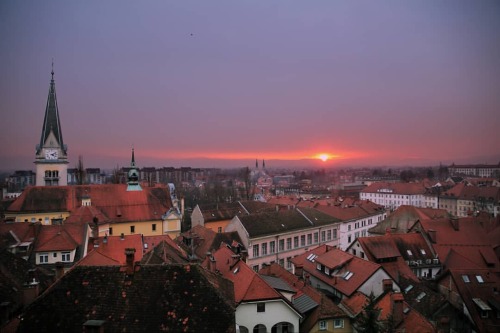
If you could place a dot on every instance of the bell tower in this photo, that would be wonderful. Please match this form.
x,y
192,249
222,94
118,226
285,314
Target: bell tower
x,y
51,157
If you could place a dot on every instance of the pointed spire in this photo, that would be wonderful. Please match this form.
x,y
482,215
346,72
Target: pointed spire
x,y
51,122
263,164
133,176
132,164
256,164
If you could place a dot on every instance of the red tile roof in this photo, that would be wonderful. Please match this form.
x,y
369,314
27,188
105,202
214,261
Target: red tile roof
x,y
113,200
478,284
412,320
248,285
326,308
60,237
403,218
114,247
396,188
362,269
469,241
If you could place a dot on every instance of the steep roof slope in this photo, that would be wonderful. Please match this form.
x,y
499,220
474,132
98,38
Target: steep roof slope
x,y
179,298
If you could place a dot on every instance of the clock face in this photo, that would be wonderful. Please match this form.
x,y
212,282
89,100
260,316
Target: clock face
x,y
51,154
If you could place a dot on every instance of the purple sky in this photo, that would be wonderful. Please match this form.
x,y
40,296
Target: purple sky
x,y
368,82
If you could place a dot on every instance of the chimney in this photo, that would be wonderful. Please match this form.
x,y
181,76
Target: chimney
x,y
432,235
130,253
454,223
96,243
299,270
397,308
95,227
307,280
122,236
105,239
31,289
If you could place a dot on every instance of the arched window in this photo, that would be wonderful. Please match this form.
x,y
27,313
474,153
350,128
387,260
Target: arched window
x,y
282,327
259,329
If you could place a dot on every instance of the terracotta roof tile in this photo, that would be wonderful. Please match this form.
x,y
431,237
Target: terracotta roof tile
x,y
361,269
178,298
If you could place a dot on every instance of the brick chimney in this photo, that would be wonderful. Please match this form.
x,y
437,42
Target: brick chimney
x,y
454,223
299,270
397,308
130,254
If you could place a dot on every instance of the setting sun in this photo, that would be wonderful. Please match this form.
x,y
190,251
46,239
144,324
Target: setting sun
x,y
323,157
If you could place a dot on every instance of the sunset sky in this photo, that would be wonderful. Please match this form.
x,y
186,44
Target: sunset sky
x,y
222,83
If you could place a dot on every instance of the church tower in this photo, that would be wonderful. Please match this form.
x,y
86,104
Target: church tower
x,y
51,157
133,176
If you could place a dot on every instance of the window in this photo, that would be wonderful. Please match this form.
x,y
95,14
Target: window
x,y
272,247
349,227
289,243
315,237
132,229
328,234
289,262
323,325
303,240
465,278
323,236
261,307
349,239
338,323
44,258
327,271
255,251
296,241
281,245
264,249
255,268
66,257
309,239
110,231
153,227
219,230
479,279
54,255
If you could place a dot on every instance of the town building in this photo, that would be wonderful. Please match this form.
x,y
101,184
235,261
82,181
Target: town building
x,y
259,307
393,195
341,273
475,170
400,254
319,311
280,235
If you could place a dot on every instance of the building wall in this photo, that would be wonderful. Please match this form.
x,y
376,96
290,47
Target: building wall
x,y
62,169
217,226
352,229
277,311
44,217
197,217
283,256
330,327
394,200
140,227
54,256
375,284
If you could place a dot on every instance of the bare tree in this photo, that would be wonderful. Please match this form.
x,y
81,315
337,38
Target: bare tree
x,y
80,171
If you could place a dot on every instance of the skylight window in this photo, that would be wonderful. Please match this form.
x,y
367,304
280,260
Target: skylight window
x,y
420,296
407,289
422,251
409,252
236,270
479,279
465,278
348,275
